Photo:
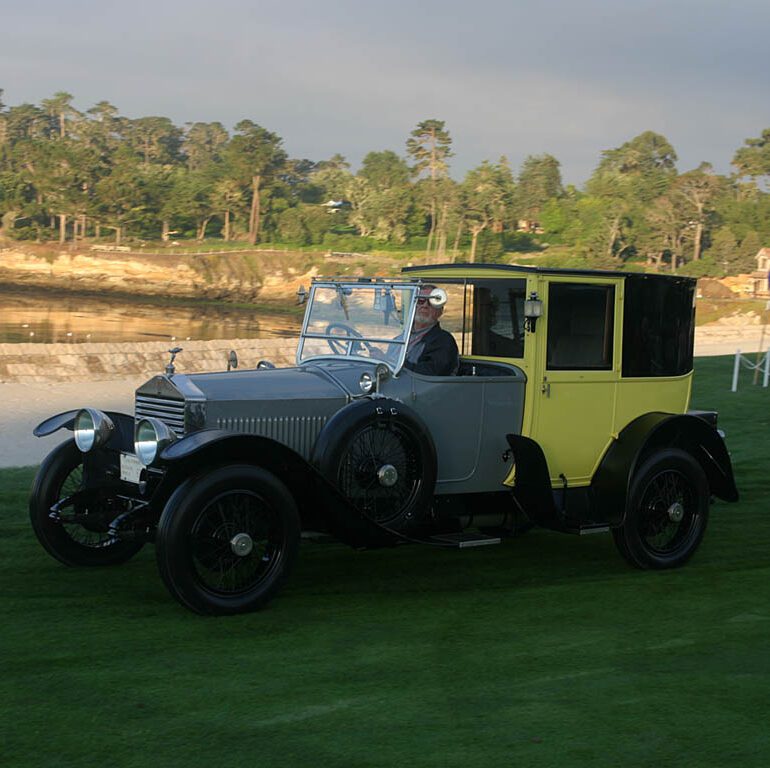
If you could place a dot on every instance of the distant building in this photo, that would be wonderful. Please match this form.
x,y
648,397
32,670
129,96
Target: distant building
x,y
761,276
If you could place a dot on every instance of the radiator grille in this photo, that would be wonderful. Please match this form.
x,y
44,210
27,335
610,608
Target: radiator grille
x,y
170,412
297,432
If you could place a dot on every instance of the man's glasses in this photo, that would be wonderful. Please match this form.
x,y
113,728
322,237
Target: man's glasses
x,y
422,301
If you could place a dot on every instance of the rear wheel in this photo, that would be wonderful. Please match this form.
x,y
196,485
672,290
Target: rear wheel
x,y
667,511
227,540
79,534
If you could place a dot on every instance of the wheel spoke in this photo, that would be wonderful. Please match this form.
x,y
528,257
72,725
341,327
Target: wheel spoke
x,y
217,566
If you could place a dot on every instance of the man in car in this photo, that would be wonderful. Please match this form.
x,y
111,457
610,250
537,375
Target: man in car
x,y
431,350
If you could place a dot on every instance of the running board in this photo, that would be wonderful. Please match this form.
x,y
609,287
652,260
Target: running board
x,y
464,540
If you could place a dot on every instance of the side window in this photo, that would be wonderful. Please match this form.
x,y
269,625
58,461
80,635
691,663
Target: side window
x,y
658,326
580,327
498,318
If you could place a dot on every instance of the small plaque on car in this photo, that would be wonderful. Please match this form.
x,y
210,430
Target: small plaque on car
x,y
130,468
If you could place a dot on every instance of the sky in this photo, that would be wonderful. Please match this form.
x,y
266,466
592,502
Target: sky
x,y
508,77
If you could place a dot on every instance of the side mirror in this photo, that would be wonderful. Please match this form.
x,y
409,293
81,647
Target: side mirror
x,y
232,360
437,298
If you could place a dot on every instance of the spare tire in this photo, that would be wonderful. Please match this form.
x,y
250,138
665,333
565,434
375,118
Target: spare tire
x,y
379,455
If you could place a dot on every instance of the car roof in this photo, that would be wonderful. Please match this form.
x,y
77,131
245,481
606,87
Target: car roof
x,y
435,271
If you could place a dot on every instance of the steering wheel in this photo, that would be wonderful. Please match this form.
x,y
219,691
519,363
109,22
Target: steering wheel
x,y
346,346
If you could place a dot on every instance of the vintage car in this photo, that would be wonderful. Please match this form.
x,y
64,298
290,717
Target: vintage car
x,y
569,411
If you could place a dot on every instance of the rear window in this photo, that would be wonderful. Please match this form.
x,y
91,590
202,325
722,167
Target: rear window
x,y
658,326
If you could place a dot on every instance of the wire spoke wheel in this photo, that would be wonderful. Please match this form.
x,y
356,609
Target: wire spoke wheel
x,y
86,540
667,512
218,564
360,475
227,539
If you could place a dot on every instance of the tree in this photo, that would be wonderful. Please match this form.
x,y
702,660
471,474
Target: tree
x,y
666,217
639,170
429,147
483,192
203,144
539,181
59,108
753,159
382,196
154,139
332,177
254,155
122,195
227,197
698,188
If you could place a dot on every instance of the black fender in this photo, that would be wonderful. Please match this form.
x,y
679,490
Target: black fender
x,y
643,436
65,420
321,505
122,438
532,487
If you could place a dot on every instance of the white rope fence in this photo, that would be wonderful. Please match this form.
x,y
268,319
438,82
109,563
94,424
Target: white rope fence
x,y
761,363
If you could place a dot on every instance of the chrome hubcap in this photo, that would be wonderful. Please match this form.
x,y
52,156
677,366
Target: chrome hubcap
x,y
241,544
387,474
676,512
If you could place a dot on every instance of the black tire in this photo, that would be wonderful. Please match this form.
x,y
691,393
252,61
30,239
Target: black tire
x,y
368,436
667,511
60,475
196,540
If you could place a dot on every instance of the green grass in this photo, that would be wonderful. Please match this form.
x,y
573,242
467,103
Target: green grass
x,y
545,651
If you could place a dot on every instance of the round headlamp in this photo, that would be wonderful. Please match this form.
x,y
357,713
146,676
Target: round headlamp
x,y
92,428
151,436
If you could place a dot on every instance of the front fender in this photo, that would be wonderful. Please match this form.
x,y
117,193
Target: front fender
x,y
322,505
122,438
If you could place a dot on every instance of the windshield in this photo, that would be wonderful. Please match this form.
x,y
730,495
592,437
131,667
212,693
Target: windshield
x,y
369,321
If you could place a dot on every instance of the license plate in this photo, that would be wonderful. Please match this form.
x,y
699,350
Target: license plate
x,y
130,468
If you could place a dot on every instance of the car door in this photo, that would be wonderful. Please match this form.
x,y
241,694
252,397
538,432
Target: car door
x,y
576,374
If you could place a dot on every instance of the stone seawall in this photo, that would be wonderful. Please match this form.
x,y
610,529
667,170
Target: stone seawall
x,y
20,363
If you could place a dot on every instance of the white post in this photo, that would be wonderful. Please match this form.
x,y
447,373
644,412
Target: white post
x,y
767,369
736,368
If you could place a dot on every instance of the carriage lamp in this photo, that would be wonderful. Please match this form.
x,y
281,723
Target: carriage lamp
x,y
92,428
533,308
301,295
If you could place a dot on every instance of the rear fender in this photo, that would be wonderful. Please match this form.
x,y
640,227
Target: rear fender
x,y
651,432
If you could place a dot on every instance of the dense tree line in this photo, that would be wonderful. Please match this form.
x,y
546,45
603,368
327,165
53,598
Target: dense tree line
x,y
69,175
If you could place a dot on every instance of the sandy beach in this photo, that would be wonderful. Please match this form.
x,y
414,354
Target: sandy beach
x,y
24,405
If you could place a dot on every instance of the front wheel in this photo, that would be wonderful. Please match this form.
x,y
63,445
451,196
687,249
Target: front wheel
x,y
80,534
667,511
227,540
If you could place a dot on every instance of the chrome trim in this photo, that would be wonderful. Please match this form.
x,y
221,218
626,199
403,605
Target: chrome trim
x,y
170,412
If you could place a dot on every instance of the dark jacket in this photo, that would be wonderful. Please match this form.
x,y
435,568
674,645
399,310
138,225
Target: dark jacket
x,y
439,356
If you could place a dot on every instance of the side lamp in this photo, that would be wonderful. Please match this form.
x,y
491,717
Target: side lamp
x,y
533,308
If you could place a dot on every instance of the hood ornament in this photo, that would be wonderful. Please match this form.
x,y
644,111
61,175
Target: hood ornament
x,y
170,367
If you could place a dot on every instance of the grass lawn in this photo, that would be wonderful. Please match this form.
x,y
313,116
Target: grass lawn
x,y
545,651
